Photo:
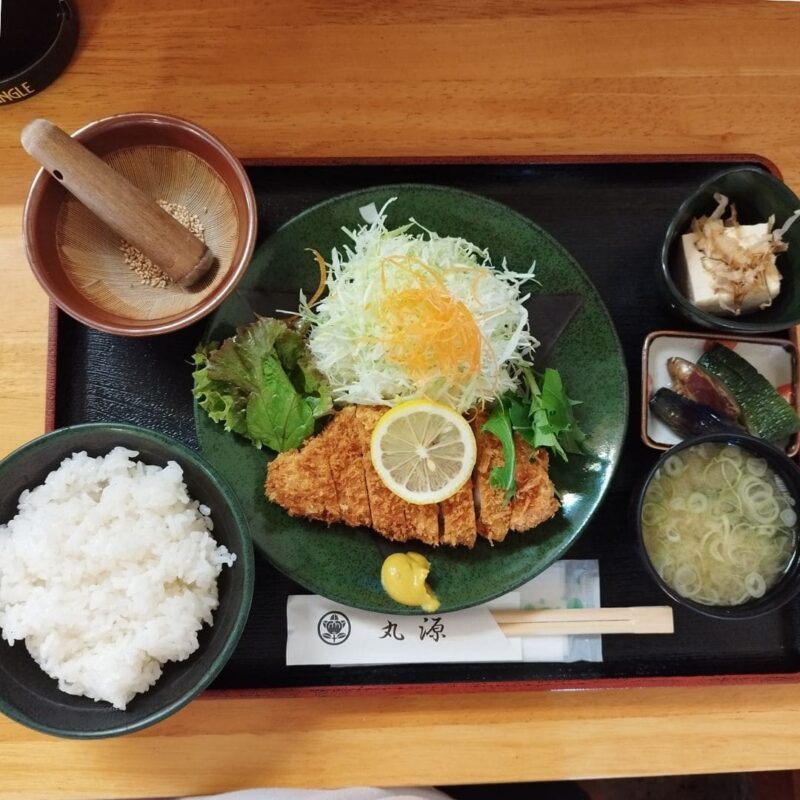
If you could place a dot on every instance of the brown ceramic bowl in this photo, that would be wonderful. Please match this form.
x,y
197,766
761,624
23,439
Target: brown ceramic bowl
x,y
77,259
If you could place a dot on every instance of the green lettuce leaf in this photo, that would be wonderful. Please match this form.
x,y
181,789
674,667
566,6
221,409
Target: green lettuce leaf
x,y
261,384
217,399
279,416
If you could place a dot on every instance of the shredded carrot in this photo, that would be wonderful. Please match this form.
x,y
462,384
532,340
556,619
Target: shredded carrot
x,y
323,276
430,333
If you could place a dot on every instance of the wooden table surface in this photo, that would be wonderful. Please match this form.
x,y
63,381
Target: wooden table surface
x,y
424,77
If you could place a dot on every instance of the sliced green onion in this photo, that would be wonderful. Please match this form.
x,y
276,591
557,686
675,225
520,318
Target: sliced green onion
x,y
697,503
719,525
654,514
756,466
673,466
755,584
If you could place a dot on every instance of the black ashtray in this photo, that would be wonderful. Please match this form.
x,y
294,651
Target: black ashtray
x,y
37,39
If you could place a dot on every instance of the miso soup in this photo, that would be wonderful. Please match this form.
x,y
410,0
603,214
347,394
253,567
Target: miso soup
x,y
718,524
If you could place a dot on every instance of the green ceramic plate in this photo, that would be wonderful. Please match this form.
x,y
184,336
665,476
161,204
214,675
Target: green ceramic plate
x,y
343,563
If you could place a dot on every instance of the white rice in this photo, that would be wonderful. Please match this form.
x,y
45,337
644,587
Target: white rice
x,y
107,572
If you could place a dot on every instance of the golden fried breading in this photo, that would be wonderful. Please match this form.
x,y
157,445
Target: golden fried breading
x,y
300,481
458,518
331,478
347,469
387,509
535,500
424,522
494,515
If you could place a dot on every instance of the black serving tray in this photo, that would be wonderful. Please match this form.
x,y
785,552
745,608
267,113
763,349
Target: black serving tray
x,y
611,215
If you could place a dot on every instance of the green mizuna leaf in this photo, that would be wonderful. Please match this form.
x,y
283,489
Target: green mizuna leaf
x,y
499,424
550,419
541,414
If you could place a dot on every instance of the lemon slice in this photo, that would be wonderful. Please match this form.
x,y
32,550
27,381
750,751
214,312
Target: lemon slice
x,y
423,451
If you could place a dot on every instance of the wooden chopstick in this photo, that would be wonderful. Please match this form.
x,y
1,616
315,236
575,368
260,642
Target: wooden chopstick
x,y
561,621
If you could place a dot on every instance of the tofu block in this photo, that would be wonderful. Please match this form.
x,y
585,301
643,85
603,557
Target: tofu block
x,y
699,281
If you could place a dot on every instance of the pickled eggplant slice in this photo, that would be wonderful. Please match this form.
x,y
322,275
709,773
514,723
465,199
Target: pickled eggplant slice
x,y
688,418
694,383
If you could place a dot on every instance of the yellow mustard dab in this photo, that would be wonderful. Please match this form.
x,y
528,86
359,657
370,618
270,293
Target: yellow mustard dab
x,y
403,577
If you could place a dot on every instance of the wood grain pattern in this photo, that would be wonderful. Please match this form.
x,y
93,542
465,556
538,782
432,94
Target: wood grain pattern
x,y
220,744
565,621
488,77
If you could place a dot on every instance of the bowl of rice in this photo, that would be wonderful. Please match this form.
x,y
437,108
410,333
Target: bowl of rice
x,y
126,577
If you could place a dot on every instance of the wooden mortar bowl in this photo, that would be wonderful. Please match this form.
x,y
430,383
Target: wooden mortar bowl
x,y
77,259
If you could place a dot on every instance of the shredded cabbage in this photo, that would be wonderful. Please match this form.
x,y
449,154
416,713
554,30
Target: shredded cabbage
x,y
412,314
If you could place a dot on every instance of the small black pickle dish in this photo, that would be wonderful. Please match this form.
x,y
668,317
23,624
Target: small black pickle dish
x,y
787,586
757,195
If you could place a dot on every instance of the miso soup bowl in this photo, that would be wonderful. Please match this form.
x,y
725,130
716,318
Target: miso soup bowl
x,y
788,585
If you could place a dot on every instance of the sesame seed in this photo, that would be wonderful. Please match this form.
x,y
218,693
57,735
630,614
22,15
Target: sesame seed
x,y
149,273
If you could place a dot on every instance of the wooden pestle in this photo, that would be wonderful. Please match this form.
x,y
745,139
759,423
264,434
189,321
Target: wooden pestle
x,y
117,202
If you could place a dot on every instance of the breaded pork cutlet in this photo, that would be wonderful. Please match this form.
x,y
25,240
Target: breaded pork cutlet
x,y
301,482
493,514
402,520
387,509
424,521
535,500
458,518
331,478
347,469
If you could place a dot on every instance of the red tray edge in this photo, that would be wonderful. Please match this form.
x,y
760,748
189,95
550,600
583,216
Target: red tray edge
x,y
468,687
606,158
475,687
